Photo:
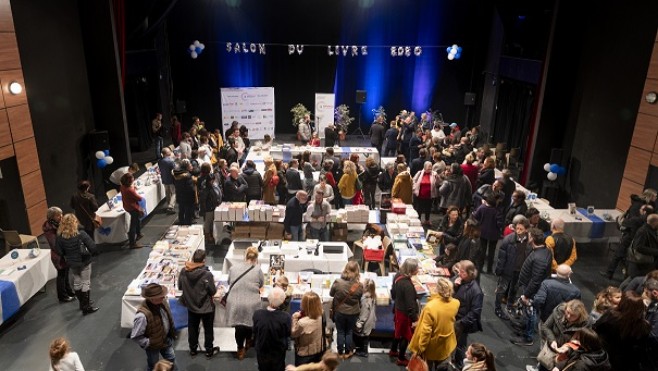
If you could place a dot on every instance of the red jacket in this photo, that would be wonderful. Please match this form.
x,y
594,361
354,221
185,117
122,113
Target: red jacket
x,y
130,198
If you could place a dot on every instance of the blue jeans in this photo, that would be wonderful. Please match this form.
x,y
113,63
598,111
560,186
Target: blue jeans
x,y
319,234
153,355
297,233
158,146
347,201
344,325
531,325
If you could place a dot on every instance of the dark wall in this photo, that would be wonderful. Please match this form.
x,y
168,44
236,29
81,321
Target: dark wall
x,y
55,72
11,198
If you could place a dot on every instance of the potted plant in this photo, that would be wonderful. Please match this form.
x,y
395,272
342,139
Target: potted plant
x,y
343,120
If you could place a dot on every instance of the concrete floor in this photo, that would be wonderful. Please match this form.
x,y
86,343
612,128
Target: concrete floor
x,y
102,344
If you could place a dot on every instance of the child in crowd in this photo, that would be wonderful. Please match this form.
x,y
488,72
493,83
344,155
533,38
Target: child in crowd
x,y
478,357
605,300
315,140
449,257
283,283
367,318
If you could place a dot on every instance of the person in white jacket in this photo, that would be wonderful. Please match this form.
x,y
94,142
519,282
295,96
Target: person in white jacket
x,y
62,358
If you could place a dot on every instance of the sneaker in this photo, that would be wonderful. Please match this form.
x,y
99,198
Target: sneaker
x,y
531,368
392,353
211,353
522,341
402,362
501,314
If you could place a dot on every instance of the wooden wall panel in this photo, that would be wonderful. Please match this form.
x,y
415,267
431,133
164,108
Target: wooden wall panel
x,y
644,135
649,109
6,152
6,19
637,165
5,131
653,64
20,122
33,189
626,190
6,78
9,58
36,214
26,156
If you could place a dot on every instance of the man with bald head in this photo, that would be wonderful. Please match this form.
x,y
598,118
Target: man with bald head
x,y
562,245
554,291
295,209
271,331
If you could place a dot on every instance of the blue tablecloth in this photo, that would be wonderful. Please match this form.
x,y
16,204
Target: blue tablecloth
x,y
142,204
598,224
9,298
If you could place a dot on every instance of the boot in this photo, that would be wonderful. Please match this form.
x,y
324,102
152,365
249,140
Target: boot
x,y
86,307
78,295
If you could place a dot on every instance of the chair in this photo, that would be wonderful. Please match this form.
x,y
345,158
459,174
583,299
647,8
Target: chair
x,y
377,256
111,193
14,240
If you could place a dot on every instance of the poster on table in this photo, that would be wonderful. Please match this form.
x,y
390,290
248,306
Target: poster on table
x,y
324,111
251,107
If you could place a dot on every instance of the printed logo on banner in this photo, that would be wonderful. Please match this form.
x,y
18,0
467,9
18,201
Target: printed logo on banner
x,y
251,107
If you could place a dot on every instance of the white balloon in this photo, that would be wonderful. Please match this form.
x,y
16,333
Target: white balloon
x,y
196,43
201,46
455,46
551,176
547,167
109,160
192,47
194,55
100,154
451,56
453,51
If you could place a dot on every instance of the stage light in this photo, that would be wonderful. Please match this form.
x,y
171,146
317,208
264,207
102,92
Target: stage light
x,y
15,88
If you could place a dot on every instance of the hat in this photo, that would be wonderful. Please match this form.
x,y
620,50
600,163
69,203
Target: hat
x,y
153,291
453,125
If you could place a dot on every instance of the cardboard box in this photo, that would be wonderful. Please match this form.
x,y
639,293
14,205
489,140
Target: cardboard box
x,y
275,231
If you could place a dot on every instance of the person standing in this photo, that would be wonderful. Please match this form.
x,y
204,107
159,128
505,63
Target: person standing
x,y
166,167
271,331
425,189
391,137
84,206
346,292
185,192
470,296
316,214
555,291
292,223
293,178
491,225
62,358
176,131
367,318
210,196
645,242
347,183
406,310
131,200
198,288
512,253
307,330
304,131
562,245
235,187
378,133
628,228
370,176
270,181
246,280
69,245
153,327
254,181
65,293
157,130
330,135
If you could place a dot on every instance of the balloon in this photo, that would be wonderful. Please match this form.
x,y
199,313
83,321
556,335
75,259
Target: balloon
x,y
101,163
562,170
451,56
196,43
100,154
555,168
551,176
106,152
192,47
202,46
194,55
109,160
198,50
547,167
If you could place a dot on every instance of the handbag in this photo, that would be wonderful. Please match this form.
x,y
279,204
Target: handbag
x,y
84,252
96,220
546,356
224,298
417,363
637,257
332,310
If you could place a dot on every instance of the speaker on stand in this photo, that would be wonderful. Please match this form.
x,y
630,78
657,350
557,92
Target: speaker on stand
x,y
361,96
469,102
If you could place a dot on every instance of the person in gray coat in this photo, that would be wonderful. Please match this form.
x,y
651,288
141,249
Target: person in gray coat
x,y
367,318
198,288
456,189
246,280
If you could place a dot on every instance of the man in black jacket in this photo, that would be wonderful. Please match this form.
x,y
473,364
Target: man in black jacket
x,y
470,297
330,136
295,208
198,288
512,253
185,192
406,310
235,187
536,268
629,227
555,291
293,178
377,132
645,242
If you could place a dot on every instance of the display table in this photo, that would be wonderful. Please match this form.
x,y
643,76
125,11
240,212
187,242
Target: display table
x,y
296,262
163,266
116,221
18,286
287,152
584,228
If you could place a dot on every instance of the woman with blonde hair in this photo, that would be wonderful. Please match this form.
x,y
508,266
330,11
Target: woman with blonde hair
x,y
346,292
347,183
307,330
566,319
434,338
65,292
402,186
270,181
70,244
246,280
62,358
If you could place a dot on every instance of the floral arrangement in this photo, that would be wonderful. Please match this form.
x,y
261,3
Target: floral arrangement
x,y
342,117
298,112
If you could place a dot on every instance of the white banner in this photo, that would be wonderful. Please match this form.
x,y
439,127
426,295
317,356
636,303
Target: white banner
x,y
324,111
251,107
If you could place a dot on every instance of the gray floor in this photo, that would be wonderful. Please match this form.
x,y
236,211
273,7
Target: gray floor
x,y
103,345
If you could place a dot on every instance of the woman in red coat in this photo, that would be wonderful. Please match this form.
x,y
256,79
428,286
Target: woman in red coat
x,y
130,200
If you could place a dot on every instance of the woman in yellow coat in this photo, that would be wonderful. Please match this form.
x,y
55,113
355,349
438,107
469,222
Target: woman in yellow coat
x,y
269,185
347,182
434,338
402,186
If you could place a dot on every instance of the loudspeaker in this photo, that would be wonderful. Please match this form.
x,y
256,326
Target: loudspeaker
x,y
361,96
181,106
99,140
469,99
556,156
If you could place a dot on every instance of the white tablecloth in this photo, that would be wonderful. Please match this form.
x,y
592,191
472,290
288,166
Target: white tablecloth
x,y
130,302
27,281
330,263
277,152
580,227
116,221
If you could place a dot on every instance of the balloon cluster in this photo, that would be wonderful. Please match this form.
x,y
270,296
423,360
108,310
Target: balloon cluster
x,y
103,158
554,170
195,49
454,52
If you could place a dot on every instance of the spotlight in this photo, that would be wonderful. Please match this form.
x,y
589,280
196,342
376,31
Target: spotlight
x,y
15,88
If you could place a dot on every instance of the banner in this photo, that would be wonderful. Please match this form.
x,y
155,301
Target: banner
x,y
324,111
251,107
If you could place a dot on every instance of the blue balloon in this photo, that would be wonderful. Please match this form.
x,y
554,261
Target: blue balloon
x,y
198,50
101,163
107,152
555,168
448,49
562,170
